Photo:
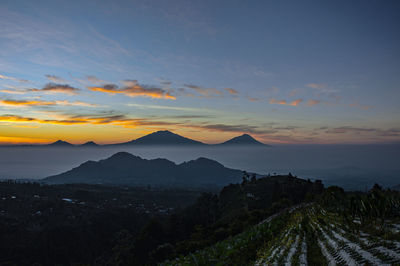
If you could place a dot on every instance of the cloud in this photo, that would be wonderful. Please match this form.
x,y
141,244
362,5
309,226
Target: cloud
x,y
274,101
55,79
253,99
13,91
13,79
58,88
132,88
296,102
232,91
205,92
9,102
350,129
392,132
94,79
316,85
74,120
127,122
25,103
313,102
365,107
284,102
75,103
164,107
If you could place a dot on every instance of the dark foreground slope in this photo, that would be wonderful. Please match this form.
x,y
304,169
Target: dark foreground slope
x,y
82,224
334,229
127,169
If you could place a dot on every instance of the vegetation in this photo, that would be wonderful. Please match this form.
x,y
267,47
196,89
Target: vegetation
x,y
337,228
262,221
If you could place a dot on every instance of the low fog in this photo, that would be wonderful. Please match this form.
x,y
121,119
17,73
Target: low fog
x,y
352,166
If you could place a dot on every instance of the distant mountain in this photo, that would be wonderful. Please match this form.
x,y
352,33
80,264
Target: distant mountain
x,y
162,138
125,168
60,143
89,144
244,139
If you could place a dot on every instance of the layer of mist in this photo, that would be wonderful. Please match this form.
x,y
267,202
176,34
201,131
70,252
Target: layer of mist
x,y
351,166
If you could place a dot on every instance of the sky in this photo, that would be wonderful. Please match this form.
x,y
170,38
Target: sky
x,y
290,72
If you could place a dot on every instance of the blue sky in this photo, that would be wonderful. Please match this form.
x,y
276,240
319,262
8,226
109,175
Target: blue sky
x,y
283,71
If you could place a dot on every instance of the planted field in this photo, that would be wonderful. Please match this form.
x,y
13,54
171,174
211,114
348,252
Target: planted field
x,y
305,235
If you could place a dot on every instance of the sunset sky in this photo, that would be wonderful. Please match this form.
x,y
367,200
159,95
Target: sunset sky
x,y
282,71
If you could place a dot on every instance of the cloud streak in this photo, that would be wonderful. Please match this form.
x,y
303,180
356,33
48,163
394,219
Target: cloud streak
x,y
55,79
313,102
9,102
13,79
132,88
57,88
284,102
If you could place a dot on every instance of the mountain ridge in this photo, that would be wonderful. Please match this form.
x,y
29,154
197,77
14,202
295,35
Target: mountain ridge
x,y
160,138
124,168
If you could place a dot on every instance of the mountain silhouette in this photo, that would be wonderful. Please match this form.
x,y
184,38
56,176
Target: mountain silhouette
x,y
164,137
161,138
125,168
244,139
60,143
89,144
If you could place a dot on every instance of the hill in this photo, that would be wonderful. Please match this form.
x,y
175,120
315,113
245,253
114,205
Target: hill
x,y
244,139
125,168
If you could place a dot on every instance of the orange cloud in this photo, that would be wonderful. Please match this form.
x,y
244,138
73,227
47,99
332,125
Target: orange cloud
x,y
296,102
316,85
313,102
274,101
232,91
25,102
253,99
44,103
13,91
133,89
284,102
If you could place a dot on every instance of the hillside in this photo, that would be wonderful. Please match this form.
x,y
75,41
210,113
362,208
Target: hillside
x,y
334,230
125,168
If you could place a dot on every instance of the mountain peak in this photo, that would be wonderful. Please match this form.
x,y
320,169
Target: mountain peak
x,y
89,143
122,154
164,137
244,139
60,143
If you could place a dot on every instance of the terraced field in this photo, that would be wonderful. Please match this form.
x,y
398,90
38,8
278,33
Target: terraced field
x,y
306,234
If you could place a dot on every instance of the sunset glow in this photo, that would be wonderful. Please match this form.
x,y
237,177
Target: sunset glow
x,y
111,77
